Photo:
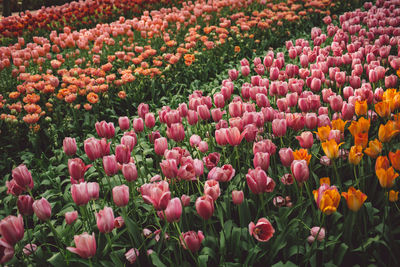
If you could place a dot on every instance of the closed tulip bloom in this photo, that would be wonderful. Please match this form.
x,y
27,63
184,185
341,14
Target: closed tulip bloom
x,y
12,229
237,197
42,209
286,156
105,129
245,70
119,222
300,170
157,194
361,107
395,159
219,100
311,120
203,146
71,216
7,251
80,194
110,165
347,111
132,255
29,249
129,171
121,195
261,159
138,125
315,85
173,211
337,136
327,198
129,141
24,204
93,190
204,112
205,206
192,117
143,109
383,109
355,155
317,233
235,109
85,245
149,120
211,188
340,77
336,103
124,123
279,127
194,140
262,231
216,114
93,148
386,177
191,240
224,174
354,198
176,132
185,200
221,136
69,146
22,177
393,196
122,154
160,145
105,220
306,139
77,169
169,168
198,167
331,149
259,182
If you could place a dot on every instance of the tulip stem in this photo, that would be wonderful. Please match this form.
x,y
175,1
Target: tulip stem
x,y
262,204
109,240
90,262
355,176
53,230
337,174
310,197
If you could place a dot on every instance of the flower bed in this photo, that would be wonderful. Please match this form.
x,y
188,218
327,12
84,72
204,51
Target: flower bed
x,y
251,174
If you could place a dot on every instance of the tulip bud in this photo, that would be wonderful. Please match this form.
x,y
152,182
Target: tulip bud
x,y
69,146
42,209
121,195
237,197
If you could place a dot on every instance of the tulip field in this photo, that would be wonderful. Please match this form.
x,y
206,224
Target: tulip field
x,y
201,133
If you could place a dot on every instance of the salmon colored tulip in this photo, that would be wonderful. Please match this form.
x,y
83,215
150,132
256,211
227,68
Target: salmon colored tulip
x,y
354,198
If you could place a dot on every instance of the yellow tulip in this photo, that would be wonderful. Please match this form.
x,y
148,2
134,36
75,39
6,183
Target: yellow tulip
x,y
354,198
323,133
331,149
355,155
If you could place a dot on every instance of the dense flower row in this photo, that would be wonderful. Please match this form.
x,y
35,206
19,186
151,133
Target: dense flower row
x,y
87,65
75,15
287,135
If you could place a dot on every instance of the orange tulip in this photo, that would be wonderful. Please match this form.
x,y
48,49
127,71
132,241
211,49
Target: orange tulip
x,y
389,94
327,198
374,148
339,124
354,198
387,132
383,109
325,180
323,133
393,196
386,177
395,103
360,126
395,159
382,162
361,139
302,154
355,155
331,149
361,107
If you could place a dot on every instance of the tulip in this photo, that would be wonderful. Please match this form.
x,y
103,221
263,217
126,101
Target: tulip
x,y
105,220
85,245
191,240
160,145
185,200
7,251
110,165
105,129
311,120
154,136
93,148
233,136
393,196
259,182
29,249
132,255
198,167
69,146
194,140
192,117
235,109
203,146
301,154
211,160
173,211
316,233
327,198
237,197
149,120
355,155
119,222
121,195
387,131
245,70
374,148
205,206
286,156
261,160
386,177
42,209
262,231
143,109
71,217
331,149
77,169
130,172
176,132
93,190
279,127
395,159
306,139
287,179
24,204
12,229
130,142
187,172
300,170
224,174
123,123
80,194
157,194
354,198
211,188
361,108
122,154
22,177
169,168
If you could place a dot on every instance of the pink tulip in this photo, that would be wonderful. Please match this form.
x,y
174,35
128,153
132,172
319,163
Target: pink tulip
x,y
173,211
279,127
233,136
110,165
259,182
69,146
245,70
123,123
128,141
149,120
273,73
122,154
80,194
316,233
194,140
311,120
160,145
169,168
129,171
29,249
157,194
219,100
7,251
93,148
176,132
211,188
105,129
216,114
306,139
205,206
121,195
336,103
24,204
264,146
93,190
261,159
71,217
224,174
237,197
138,125
185,200
22,177
262,231
300,170
348,111
287,179
105,220
77,169
42,209
211,160
235,109
192,117
85,245
12,229
204,112
203,146
233,74
153,136
143,109
132,255
191,240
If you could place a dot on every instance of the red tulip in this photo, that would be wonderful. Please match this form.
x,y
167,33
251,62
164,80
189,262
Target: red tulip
x,y
262,231
69,146
24,205
105,220
80,194
71,216
85,245
22,177
12,229
173,211
205,206
42,209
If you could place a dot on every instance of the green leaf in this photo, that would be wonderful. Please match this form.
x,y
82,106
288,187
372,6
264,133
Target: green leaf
x,y
203,260
287,264
339,255
156,260
56,260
